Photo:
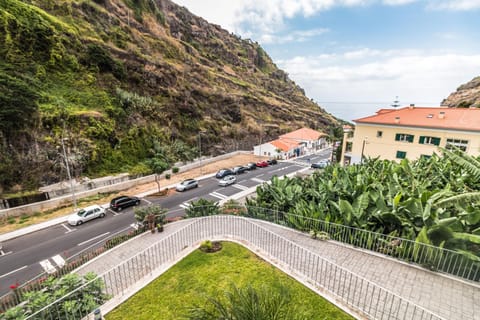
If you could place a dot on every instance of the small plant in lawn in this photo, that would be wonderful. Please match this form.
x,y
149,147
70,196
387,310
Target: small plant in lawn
x,y
210,246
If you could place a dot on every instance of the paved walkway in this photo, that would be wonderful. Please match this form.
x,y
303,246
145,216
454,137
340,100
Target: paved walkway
x,y
445,296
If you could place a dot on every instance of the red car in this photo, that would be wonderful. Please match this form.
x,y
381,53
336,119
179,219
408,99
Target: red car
x,y
262,164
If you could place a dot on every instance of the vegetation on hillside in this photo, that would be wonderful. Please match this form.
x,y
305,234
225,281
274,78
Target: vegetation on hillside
x,y
128,85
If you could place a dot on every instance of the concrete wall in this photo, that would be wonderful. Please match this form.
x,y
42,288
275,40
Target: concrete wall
x,y
65,200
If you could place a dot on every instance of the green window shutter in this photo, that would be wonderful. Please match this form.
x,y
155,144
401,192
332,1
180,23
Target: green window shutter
x,y
436,141
397,137
401,154
410,138
421,140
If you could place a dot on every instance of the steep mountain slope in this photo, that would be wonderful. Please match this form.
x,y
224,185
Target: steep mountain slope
x,y
128,85
467,95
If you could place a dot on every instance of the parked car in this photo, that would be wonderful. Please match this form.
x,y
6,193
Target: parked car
x,y
224,172
122,202
227,180
86,214
272,161
239,169
251,166
321,164
187,185
262,164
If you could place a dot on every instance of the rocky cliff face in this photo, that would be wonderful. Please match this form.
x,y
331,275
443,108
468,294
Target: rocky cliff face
x,y
466,96
128,85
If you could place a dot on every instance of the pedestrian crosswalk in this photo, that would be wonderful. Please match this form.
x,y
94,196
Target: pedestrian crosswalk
x,y
258,180
239,186
218,195
50,267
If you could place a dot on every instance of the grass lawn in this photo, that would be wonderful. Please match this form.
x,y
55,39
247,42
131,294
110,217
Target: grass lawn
x,y
201,275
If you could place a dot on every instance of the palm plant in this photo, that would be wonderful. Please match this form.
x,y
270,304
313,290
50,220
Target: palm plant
x,y
247,303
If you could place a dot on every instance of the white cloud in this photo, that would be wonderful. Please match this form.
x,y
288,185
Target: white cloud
x,y
294,36
223,13
416,77
456,5
398,2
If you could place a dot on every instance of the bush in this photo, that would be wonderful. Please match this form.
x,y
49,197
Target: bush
x,y
175,169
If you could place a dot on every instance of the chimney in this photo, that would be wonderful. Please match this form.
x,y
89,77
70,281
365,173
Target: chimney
x,y
412,105
397,119
441,115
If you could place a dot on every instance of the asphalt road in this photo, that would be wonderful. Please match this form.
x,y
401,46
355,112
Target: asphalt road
x,y
31,255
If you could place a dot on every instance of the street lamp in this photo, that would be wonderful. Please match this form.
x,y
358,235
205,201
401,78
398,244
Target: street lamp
x,y
363,148
72,189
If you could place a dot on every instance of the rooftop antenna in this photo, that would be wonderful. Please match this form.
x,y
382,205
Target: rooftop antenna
x,y
395,103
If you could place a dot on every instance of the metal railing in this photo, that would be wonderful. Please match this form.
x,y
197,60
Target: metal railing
x,y
425,255
352,290
17,293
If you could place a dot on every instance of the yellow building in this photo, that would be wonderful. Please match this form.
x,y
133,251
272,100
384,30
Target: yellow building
x,y
412,132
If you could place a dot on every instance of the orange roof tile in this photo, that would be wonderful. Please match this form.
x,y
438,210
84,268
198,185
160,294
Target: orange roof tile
x,y
440,118
284,145
303,134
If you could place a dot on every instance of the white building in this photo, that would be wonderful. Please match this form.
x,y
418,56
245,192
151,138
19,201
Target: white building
x,y
279,149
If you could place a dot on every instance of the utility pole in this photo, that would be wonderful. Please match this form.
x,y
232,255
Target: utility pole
x,y
72,189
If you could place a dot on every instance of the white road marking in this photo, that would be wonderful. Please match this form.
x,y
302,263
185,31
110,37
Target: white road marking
x,y
16,270
58,260
3,253
218,195
95,238
184,205
68,229
48,266
259,175
147,201
115,213
258,180
239,186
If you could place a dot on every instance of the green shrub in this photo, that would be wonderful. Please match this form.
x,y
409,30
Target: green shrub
x,y
175,169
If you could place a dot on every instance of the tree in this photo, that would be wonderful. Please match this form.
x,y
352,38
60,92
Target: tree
x,y
18,99
142,213
247,303
202,207
75,304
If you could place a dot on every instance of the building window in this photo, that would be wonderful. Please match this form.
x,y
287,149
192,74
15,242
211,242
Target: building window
x,y
404,137
460,144
425,156
429,140
379,134
401,154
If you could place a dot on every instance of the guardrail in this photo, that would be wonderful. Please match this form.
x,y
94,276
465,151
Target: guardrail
x,y
425,255
352,290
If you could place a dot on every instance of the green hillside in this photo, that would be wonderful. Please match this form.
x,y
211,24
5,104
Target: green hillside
x,y
129,85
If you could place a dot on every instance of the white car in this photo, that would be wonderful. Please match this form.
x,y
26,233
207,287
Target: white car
x,y
86,214
187,185
228,180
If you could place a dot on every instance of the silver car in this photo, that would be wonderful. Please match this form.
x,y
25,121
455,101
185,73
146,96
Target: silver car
x,y
187,184
228,180
86,214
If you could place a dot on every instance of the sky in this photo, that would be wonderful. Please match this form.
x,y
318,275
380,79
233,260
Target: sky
x,y
354,57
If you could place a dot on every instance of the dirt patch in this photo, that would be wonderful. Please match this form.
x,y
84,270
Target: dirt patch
x,y
209,168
